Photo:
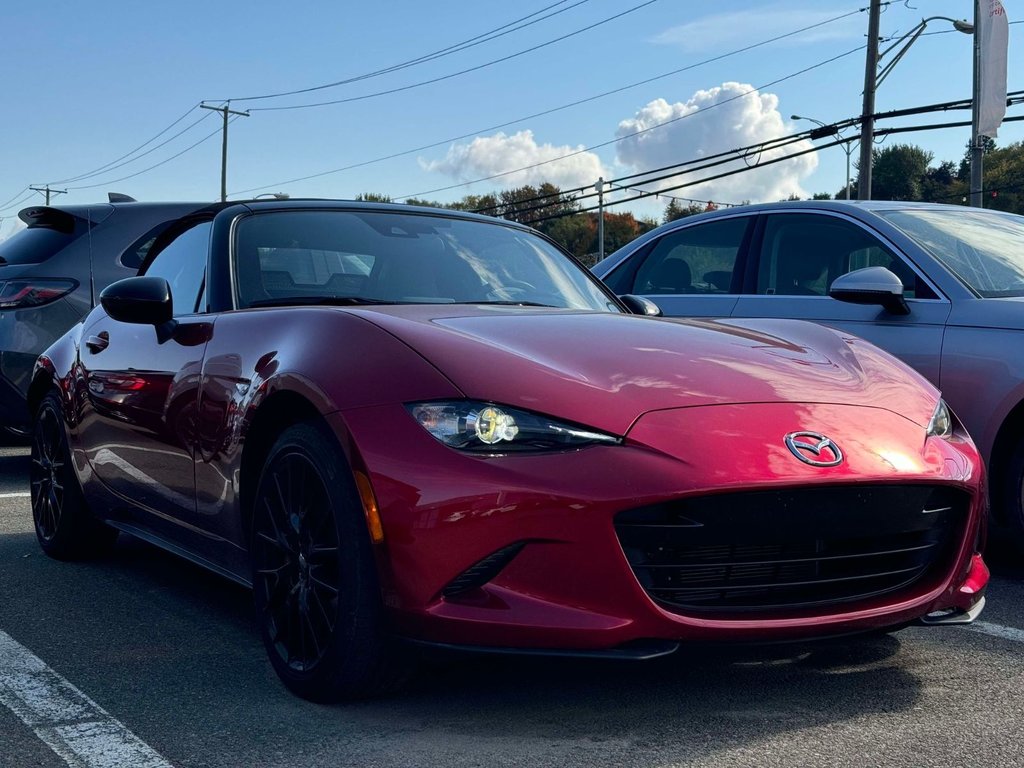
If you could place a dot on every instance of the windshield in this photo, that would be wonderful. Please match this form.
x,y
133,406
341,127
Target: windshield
x,y
297,257
984,249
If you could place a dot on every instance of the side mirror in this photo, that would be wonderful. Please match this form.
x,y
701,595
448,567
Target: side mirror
x,y
871,285
142,300
638,305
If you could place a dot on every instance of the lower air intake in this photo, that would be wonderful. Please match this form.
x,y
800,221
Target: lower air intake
x,y
791,549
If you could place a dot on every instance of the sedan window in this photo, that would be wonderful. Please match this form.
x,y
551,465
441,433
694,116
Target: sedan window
x,y
802,253
693,260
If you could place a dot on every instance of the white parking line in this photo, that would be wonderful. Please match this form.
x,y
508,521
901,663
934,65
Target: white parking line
x,y
18,495
997,630
68,721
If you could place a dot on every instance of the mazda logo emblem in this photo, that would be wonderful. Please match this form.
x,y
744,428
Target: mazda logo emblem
x,y
814,449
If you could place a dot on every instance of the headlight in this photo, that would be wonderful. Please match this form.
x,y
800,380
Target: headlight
x,y
475,426
941,424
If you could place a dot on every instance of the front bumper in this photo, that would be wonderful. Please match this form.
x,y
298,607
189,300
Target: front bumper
x,y
570,584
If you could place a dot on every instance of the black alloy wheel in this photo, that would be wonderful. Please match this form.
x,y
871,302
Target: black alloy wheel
x,y
64,526
296,561
314,574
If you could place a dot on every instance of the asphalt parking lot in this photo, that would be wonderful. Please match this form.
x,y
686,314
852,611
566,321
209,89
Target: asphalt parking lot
x,y
148,661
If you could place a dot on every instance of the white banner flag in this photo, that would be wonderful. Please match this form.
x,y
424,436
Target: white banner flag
x,y
993,35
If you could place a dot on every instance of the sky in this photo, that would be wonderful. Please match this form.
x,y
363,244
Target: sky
x,y
436,94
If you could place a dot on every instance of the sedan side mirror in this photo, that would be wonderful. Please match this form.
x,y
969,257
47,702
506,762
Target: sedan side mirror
x,y
142,300
871,285
638,305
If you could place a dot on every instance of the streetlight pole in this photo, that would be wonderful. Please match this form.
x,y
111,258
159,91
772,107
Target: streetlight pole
x,y
977,148
831,130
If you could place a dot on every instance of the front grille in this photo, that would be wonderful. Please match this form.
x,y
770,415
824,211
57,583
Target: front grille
x,y
791,549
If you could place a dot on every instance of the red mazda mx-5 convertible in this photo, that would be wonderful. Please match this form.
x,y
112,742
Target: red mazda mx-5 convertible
x,y
400,424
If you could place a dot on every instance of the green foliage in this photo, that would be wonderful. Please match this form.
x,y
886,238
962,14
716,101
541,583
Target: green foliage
x,y
676,210
897,172
822,196
374,197
577,234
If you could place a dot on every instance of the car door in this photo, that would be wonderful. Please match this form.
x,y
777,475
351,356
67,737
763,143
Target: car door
x,y
694,271
795,256
142,383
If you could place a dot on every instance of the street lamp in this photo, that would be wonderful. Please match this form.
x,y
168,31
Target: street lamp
x,y
831,130
873,78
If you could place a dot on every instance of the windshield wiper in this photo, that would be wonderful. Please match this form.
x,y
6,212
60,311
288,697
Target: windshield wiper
x,y
306,301
514,303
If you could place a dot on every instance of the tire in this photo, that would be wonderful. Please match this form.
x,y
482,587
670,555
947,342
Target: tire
x,y
65,528
315,584
1011,498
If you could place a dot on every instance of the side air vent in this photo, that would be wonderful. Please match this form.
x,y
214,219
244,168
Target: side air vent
x,y
482,572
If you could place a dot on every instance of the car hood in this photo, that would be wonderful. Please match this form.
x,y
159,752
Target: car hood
x,y
1004,312
606,370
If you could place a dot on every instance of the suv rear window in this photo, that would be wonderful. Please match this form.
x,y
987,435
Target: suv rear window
x,y
35,245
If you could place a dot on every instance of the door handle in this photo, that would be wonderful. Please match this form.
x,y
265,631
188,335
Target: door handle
x,y
97,344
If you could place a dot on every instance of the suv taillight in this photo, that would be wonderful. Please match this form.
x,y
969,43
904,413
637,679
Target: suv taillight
x,y
22,294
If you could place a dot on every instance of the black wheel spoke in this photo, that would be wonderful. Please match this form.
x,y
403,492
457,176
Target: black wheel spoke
x,y
296,560
46,481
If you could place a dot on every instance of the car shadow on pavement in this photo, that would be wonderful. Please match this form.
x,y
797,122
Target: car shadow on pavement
x,y
173,649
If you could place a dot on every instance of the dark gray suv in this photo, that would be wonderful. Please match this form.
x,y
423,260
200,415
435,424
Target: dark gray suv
x,y
52,271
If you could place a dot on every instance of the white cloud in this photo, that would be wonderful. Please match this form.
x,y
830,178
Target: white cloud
x,y
491,155
716,120
739,28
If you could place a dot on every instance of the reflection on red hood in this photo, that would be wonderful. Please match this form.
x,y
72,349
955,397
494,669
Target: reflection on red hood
x,y
605,370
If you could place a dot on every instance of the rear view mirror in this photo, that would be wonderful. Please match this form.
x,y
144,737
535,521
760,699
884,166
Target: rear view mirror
x,y
638,305
142,300
871,285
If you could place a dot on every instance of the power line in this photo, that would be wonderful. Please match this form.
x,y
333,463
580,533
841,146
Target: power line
x,y
463,71
698,111
816,148
46,192
484,37
1013,98
7,203
189,148
116,163
552,110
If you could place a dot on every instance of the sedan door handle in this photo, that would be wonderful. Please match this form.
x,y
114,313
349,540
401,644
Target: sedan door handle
x,y
97,344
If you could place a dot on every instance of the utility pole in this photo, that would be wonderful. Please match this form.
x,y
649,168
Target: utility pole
x,y
225,111
600,217
867,118
47,192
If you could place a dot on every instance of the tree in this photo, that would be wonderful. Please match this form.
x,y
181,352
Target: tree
x,y
374,197
822,196
1004,178
897,172
577,234
941,184
676,210
988,144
